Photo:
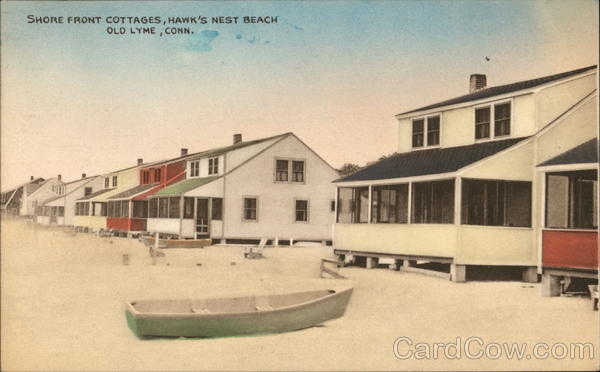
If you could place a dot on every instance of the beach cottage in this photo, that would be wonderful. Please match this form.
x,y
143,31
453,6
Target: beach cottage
x,y
91,211
463,189
60,209
275,188
570,216
128,210
14,200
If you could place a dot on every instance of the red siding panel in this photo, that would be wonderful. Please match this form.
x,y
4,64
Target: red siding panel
x,y
570,249
123,223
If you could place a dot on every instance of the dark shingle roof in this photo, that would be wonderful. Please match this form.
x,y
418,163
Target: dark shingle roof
x,y
128,194
434,161
94,194
502,89
585,153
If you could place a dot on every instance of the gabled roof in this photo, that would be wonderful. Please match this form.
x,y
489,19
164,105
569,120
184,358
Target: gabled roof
x,y
133,192
222,150
502,89
433,161
94,194
185,186
585,153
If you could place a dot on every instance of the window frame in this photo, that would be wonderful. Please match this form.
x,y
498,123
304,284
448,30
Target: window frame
x,y
307,200
115,181
425,132
213,166
492,124
290,170
244,197
194,168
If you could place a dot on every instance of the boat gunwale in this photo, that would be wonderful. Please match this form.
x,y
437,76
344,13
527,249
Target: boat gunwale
x,y
141,315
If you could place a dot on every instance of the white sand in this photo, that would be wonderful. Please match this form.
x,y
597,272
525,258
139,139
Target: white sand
x,y
63,309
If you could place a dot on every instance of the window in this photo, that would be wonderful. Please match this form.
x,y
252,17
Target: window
x,y
217,209
157,175
213,166
87,191
502,120
188,207
153,208
281,172
163,208
99,209
140,209
110,209
301,210
146,177
195,168
496,203
433,202
106,182
332,206
298,171
389,204
114,181
433,131
572,200
250,208
500,116
482,123
353,205
174,207
61,211
418,127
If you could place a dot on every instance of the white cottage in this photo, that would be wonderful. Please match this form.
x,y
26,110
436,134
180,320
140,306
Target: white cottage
x,y
275,188
463,190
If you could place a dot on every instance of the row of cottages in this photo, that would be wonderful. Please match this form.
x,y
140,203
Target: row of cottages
x,y
502,176
274,187
26,199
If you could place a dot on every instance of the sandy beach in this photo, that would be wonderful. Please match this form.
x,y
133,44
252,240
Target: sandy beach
x,y
63,309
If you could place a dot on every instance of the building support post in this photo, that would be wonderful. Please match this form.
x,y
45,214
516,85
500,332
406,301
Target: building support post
x,y
530,274
550,285
372,262
458,273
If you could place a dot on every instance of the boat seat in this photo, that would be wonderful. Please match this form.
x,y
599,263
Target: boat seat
x,y
264,308
197,310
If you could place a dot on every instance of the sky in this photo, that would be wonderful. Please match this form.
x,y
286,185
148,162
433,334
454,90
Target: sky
x,y
76,98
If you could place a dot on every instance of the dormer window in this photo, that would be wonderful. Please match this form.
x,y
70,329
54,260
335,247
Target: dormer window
x,y
429,125
499,115
157,175
213,166
195,168
146,177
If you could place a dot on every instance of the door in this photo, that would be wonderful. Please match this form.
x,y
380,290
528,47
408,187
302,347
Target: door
x,y
202,218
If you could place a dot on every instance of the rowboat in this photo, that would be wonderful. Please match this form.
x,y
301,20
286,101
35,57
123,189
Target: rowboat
x,y
219,317
149,241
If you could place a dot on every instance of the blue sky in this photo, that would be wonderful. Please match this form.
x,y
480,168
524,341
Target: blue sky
x,y
76,99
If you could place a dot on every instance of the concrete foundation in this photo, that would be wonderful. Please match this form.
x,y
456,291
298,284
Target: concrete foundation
x,y
550,285
372,262
458,273
530,274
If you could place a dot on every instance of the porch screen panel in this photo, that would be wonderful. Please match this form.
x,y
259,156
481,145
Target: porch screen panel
x,y
188,207
361,202
111,209
572,200
140,209
163,208
124,208
174,207
153,208
496,203
345,205
390,204
433,202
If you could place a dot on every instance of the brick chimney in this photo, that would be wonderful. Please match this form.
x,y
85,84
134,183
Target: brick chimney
x,y
184,151
140,161
31,179
237,138
59,177
477,82
83,175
